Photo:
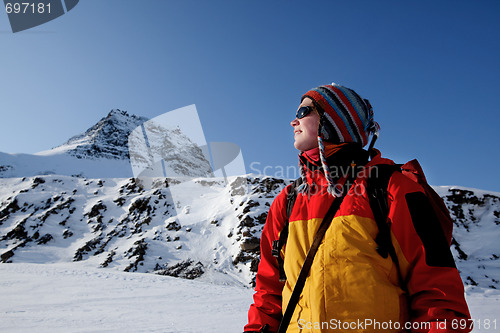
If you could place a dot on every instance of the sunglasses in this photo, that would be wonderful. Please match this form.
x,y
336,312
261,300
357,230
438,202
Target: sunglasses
x,y
303,111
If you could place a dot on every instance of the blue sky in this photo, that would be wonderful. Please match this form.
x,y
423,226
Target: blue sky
x,y
431,70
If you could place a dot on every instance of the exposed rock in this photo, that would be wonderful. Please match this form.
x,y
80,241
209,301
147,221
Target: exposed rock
x,y
6,255
96,209
45,239
138,251
106,139
173,226
88,247
37,181
10,208
185,269
250,244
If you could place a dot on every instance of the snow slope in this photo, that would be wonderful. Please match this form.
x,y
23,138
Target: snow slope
x,y
26,165
193,228
207,229
71,297
74,298
475,245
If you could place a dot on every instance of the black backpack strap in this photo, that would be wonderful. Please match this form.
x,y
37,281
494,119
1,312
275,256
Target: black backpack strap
x,y
376,187
278,244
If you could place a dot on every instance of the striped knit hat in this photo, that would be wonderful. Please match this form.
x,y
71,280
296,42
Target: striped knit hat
x,y
345,117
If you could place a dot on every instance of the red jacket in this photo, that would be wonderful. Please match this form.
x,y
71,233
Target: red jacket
x,y
350,283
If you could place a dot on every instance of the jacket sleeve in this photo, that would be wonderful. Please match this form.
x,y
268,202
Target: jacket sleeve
x,y
266,308
436,293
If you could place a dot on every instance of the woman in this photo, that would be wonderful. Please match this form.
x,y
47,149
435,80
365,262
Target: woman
x,y
350,286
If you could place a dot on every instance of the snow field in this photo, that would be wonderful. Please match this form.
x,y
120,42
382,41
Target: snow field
x,y
77,298
74,297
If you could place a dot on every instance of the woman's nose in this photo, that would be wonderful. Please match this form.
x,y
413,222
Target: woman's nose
x,y
294,122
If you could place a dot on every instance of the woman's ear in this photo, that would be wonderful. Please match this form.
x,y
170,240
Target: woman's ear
x,y
326,131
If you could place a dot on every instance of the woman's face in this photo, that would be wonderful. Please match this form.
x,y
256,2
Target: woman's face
x,y
305,130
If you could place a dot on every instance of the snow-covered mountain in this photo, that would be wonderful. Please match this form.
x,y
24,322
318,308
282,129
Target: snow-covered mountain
x,y
475,245
102,151
211,232
160,149
108,139
78,203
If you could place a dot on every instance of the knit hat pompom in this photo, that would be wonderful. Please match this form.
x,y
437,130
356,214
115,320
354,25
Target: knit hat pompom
x,y
345,116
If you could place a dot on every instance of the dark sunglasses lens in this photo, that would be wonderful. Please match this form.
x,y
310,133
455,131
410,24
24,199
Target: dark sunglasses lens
x,y
303,111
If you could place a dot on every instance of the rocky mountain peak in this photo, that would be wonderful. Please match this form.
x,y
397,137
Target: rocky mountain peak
x,y
106,139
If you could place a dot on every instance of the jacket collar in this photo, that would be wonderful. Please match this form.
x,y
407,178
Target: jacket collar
x,y
336,155
339,158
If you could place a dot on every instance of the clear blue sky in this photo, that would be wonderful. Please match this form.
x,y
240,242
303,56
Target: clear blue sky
x,y
431,70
